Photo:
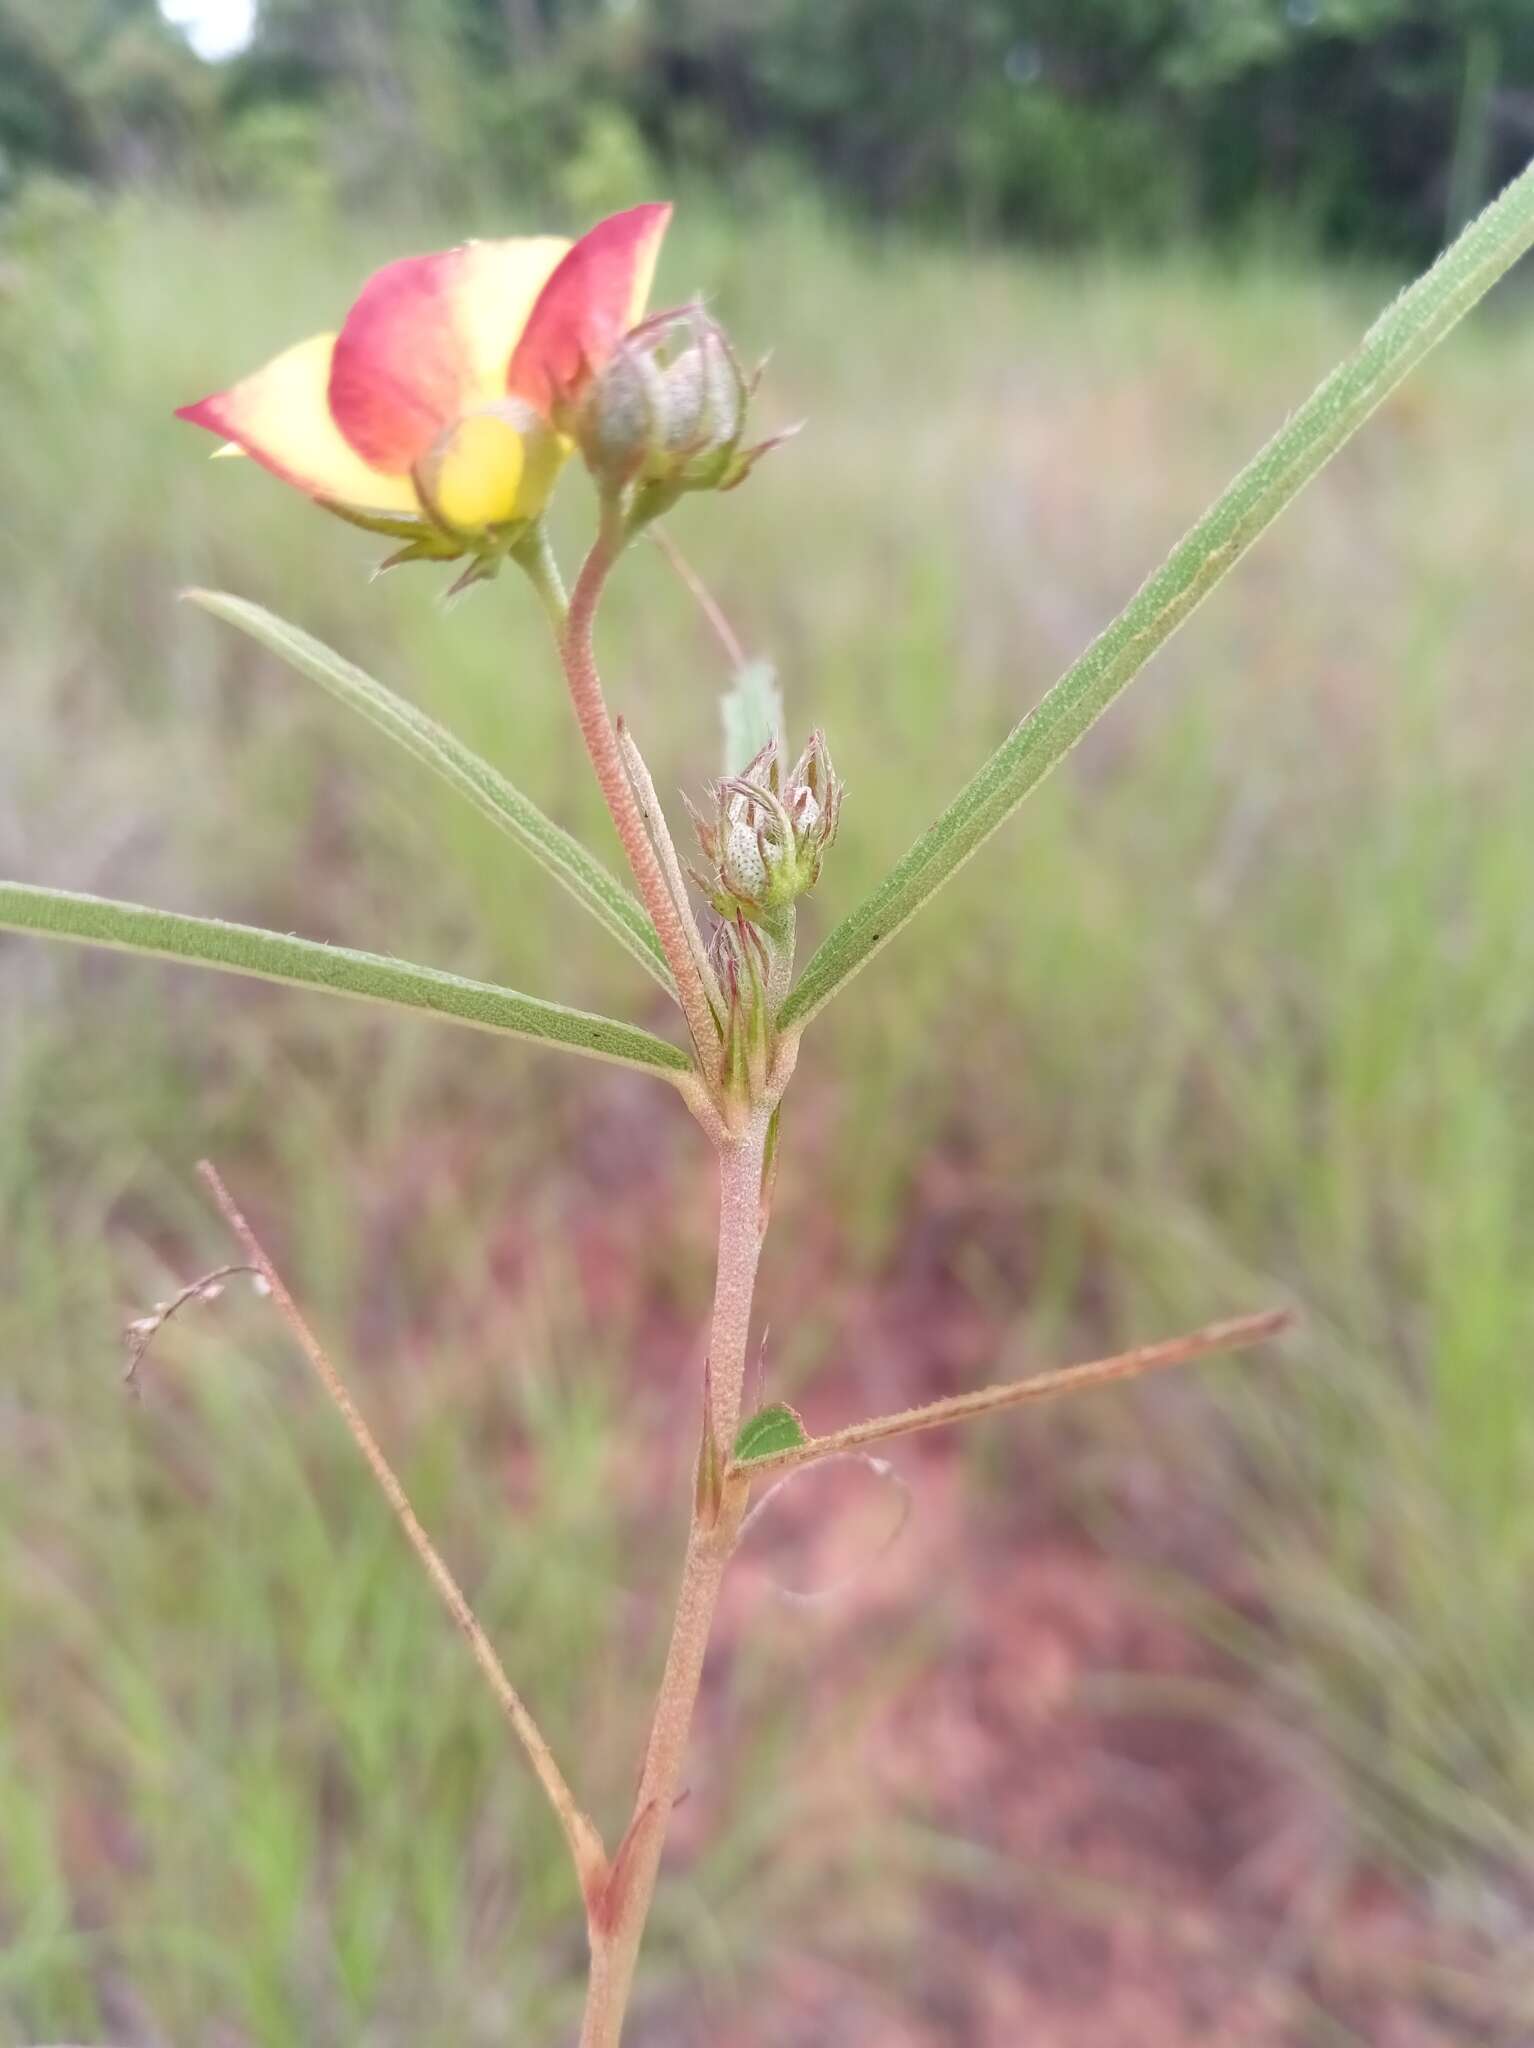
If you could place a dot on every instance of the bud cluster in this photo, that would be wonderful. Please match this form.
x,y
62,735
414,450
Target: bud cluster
x,y
669,410
767,837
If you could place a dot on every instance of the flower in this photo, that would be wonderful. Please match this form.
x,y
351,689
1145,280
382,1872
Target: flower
x,y
443,410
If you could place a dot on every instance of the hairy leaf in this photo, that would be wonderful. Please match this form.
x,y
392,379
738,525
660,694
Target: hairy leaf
x,y
1397,341
485,787
272,956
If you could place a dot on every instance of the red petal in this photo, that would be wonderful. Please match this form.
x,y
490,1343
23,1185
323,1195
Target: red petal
x,y
428,340
593,298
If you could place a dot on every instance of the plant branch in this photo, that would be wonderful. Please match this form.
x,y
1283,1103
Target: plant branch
x,y
585,1843
671,867
579,660
1070,1379
1398,340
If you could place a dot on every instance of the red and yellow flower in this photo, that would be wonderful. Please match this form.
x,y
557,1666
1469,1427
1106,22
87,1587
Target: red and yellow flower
x,y
444,409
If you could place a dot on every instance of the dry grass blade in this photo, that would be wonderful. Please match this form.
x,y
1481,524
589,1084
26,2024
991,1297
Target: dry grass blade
x,y
143,1330
585,1843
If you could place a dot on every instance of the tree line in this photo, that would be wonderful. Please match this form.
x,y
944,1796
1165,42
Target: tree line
x,y
1350,124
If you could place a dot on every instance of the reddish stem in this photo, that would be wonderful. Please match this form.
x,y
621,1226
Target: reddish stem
x,y
591,714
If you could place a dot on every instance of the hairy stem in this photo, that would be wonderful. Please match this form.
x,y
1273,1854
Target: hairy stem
x,y
617,1912
671,867
602,745
535,556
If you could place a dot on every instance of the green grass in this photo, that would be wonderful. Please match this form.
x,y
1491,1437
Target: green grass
x,y
1238,1010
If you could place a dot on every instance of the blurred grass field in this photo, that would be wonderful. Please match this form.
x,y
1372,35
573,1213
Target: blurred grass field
x,y
1240,1010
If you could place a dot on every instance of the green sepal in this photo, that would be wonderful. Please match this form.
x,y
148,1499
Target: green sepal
x,y
398,527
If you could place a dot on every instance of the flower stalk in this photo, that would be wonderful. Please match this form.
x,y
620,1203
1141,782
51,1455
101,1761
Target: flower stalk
x,y
670,918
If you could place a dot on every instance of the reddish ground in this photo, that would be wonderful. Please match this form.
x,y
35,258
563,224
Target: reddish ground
x,y
1112,1842
1124,1851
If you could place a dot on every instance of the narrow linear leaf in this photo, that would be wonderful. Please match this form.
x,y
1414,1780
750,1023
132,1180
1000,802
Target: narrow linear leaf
x,y
1397,341
272,956
459,766
769,1433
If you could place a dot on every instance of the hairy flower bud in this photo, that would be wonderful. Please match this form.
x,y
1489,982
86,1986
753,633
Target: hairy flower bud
x,y
669,410
620,421
768,834
703,399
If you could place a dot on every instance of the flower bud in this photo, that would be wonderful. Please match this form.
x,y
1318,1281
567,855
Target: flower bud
x,y
703,400
814,800
620,420
669,410
767,837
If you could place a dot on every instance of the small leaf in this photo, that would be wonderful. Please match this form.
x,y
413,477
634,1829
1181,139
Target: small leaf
x,y
768,1433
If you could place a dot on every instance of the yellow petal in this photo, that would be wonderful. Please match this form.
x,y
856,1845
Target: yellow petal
x,y
281,416
498,287
490,468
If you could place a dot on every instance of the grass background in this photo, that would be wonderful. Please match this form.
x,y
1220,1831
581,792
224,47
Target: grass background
x,y
1238,1010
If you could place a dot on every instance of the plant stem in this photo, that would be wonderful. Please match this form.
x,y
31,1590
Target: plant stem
x,y
618,1912
602,745
643,784
535,557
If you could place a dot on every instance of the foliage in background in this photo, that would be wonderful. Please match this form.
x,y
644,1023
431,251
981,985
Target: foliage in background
x,y
1375,124
1316,801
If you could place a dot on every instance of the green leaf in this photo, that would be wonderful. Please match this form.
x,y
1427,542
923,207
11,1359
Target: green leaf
x,y
485,787
768,1433
1397,341
752,711
246,949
